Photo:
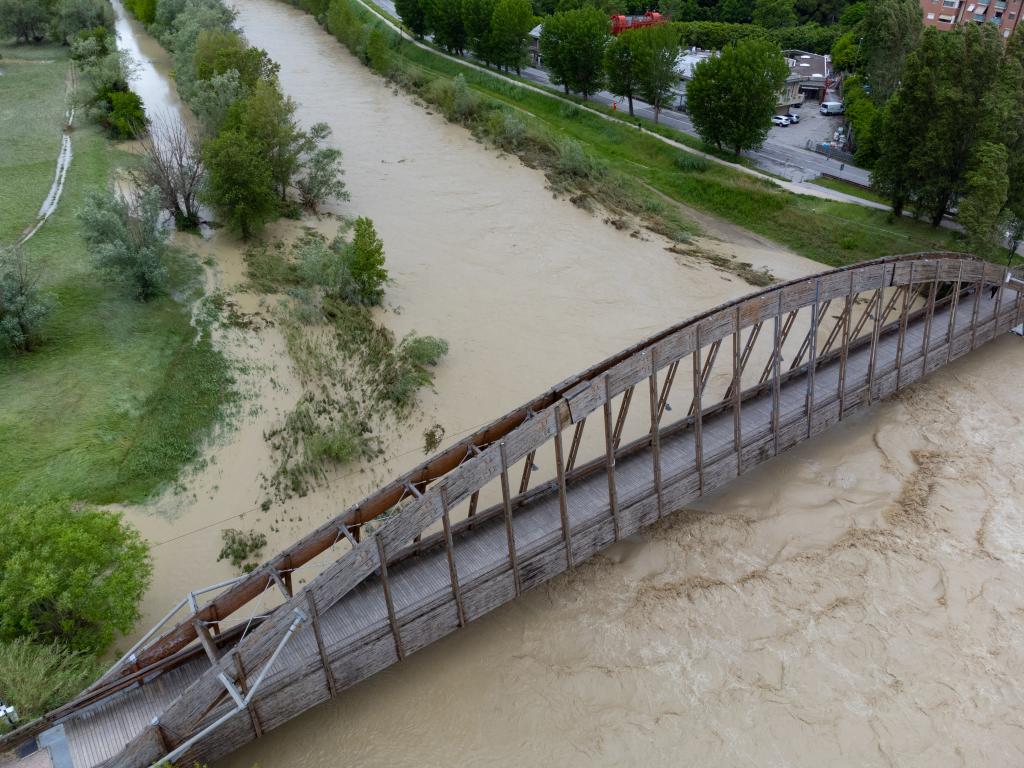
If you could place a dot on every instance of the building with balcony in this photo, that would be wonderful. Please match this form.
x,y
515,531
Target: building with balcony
x,y
945,14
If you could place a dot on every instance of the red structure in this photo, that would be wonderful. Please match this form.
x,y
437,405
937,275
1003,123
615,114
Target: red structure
x,y
621,23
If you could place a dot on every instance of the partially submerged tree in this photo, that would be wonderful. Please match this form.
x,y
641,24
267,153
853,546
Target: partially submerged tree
x,y
71,576
732,96
572,44
321,171
172,163
23,307
240,184
127,239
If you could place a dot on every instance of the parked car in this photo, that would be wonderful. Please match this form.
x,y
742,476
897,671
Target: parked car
x,y
794,118
780,120
832,108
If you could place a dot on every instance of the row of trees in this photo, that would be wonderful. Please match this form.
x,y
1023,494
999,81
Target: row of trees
x,y
495,31
249,160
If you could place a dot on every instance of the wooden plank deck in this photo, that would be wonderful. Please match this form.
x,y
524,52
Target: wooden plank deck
x,y
359,634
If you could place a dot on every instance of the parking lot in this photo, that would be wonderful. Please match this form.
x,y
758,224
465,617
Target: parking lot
x,y
813,125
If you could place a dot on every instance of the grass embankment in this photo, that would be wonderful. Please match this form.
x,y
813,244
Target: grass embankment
x,y
120,394
833,233
847,188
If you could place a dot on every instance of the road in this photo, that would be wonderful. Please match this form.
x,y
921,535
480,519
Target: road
x,y
793,163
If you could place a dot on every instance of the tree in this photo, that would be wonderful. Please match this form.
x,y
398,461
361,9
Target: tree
x,y
240,184
620,67
172,163
72,16
734,11
476,17
413,14
72,576
938,116
774,14
223,50
1010,117
212,100
127,239
321,176
655,52
572,45
985,191
267,121
732,96
22,306
25,20
511,23
444,17
891,29
821,11
365,262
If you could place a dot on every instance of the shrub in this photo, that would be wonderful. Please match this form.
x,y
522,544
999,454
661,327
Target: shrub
x,y
465,103
574,161
22,307
365,262
126,117
73,576
127,240
38,677
506,128
408,369
240,547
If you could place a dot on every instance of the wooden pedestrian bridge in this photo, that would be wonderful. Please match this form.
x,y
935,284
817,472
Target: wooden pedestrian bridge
x,y
525,498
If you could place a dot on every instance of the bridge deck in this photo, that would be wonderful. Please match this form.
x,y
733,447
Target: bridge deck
x,y
358,627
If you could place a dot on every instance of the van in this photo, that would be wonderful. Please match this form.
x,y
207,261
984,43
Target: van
x,y
832,108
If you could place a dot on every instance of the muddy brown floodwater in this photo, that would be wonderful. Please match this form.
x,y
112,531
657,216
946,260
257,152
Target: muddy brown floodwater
x,y
856,602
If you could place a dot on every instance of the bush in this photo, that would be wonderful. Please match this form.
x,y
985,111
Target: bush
x,y
22,307
126,117
72,576
365,261
574,161
506,128
465,103
240,547
408,369
127,240
38,677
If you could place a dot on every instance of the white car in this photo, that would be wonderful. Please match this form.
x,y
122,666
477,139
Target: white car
x,y
780,120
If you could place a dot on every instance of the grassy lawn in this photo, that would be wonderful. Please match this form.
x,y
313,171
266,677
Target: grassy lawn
x,y
30,130
121,394
833,233
850,189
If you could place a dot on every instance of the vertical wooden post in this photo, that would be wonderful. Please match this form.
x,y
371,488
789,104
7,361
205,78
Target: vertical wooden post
x,y
776,360
698,415
812,353
449,545
206,640
510,531
929,315
952,313
875,330
652,390
314,615
737,394
609,455
563,501
847,312
974,312
904,313
392,617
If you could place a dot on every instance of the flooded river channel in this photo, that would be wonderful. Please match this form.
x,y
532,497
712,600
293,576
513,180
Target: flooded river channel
x,y
856,602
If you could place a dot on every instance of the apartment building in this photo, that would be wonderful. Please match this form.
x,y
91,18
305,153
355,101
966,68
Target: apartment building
x,y
945,14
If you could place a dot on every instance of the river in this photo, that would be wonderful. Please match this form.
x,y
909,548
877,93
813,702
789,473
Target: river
x,y
855,602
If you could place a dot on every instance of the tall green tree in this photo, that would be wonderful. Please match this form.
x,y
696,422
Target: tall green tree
x,y
655,52
620,66
413,14
1011,122
444,18
25,20
985,190
511,23
733,96
774,14
72,576
219,51
572,45
890,30
240,182
476,18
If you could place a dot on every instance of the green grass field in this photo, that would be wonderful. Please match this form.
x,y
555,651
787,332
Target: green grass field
x,y
120,395
850,189
833,233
